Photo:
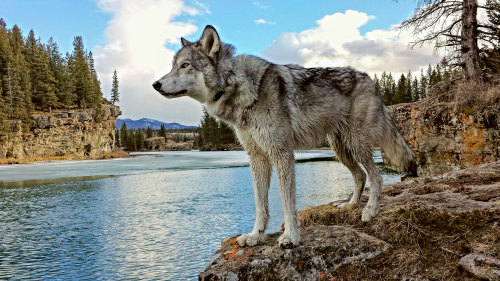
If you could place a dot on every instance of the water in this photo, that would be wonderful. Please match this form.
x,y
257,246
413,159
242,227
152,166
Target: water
x,y
153,216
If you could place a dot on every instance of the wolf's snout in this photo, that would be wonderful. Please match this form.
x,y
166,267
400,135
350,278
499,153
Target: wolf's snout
x,y
157,85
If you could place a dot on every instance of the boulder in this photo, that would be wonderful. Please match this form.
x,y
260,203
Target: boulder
x,y
322,251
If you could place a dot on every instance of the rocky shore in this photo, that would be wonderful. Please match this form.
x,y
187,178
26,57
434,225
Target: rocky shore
x,y
445,227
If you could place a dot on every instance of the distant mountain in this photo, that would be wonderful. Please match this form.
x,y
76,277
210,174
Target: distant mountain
x,y
144,123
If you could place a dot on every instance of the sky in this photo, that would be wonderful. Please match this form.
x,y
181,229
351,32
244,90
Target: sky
x,y
139,38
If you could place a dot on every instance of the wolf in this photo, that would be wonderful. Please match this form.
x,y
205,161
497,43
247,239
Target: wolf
x,y
274,109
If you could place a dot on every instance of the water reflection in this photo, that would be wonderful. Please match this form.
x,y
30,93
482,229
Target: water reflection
x,y
155,225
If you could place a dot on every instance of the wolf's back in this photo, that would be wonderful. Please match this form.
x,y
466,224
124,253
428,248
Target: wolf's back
x,y
399,154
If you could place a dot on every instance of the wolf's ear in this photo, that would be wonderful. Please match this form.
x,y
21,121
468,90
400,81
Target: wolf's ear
x,y
185,42
210,42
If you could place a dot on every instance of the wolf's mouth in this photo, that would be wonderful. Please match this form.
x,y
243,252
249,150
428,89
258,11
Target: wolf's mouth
x,y
176,93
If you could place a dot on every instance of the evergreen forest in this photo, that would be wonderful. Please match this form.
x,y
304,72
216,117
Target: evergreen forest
x,y
36,76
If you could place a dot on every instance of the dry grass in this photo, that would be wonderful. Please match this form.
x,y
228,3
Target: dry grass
x,y
463,96
35,159
426,242
473,96
117,153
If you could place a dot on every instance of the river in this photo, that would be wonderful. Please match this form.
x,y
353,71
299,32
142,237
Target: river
x,y
158,215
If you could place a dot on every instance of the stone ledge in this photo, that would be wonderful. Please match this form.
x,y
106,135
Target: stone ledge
x,y
322,251
424,229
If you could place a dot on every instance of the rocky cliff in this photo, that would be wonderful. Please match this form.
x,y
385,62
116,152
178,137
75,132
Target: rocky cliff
x,y
445,141
441,228
63,134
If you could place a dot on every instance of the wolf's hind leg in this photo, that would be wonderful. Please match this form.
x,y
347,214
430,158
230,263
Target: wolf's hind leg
x,y
372,207
261,174
359,176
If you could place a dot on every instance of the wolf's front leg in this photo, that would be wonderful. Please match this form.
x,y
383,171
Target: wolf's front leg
x,y
261,174
284,162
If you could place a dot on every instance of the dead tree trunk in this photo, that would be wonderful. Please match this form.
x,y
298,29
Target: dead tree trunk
x,y
469,47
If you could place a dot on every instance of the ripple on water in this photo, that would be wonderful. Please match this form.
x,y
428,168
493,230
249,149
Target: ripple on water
x,y
154,225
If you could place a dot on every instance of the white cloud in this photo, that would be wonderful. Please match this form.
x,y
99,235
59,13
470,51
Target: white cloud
x,y
203,6
260,5
337,41
135,41
263,21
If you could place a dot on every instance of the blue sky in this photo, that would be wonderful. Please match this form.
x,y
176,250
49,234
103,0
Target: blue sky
x,y
139,37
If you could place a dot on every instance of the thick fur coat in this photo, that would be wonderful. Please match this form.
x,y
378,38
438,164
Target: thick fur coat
x,y
275,109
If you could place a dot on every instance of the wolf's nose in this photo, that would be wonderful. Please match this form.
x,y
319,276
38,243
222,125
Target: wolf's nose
x,y
157,85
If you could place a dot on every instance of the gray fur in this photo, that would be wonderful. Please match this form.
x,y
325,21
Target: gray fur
x,y
275,109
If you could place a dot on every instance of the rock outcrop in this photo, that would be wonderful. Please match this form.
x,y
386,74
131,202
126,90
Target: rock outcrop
x,y
159,144
64,134
441,228
323,250
444,141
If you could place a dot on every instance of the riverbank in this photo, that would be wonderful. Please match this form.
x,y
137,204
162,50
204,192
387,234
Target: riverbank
x,y
115,153
429,228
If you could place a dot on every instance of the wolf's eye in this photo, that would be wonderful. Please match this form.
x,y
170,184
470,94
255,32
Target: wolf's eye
x,y
184,65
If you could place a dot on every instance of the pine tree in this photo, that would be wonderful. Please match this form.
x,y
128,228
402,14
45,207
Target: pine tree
x,y
132,137
48,84
3,118
208,129
5,61
415,90
139,140
378,86
115,95
70,97
42,80
408,96
36,76
386,85
19,83
80,74
453,26
95,99
163,132
149,133
423,85
400,90
123,135
226,134
59,71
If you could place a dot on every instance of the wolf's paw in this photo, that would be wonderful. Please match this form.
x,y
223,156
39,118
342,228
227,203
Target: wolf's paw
x,y
369,212
288,241
349,205
250,239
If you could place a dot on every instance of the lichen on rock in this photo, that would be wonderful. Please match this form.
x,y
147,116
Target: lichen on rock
x,y
323,249
444,140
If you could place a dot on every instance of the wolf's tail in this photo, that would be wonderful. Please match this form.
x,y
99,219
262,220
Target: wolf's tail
x,y
398,154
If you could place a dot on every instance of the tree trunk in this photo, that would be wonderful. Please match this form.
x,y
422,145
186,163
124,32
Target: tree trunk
x,y
469,48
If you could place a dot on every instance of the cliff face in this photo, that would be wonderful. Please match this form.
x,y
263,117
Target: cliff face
x,y
63,134
444,141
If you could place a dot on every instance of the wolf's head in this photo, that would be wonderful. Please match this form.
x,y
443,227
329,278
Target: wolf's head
x,y
195,68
